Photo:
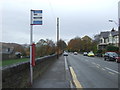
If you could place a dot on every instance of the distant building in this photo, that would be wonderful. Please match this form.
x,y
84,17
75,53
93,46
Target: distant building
x,y
41,42
7,52
107,38
10,50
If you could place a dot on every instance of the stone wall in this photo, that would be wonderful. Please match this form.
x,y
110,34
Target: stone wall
x,y
18,76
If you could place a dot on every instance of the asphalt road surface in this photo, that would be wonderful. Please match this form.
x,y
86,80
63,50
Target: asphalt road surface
x,y
94,72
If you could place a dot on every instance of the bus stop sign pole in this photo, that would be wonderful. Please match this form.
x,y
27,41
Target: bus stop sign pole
x,y
35,19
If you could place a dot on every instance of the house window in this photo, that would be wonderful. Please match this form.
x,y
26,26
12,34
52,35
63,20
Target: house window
x,y
8,49
100,40
104,40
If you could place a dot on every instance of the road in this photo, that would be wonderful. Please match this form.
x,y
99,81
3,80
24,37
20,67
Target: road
x,y
94,72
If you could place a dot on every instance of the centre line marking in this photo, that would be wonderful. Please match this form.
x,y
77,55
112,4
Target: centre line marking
x,y
112,70
103,69
98,65
75,80
111,73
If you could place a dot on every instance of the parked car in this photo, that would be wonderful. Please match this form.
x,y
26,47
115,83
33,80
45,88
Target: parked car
x,y
75,53
85,54
65,54
99,55
118,58
91,54
111,56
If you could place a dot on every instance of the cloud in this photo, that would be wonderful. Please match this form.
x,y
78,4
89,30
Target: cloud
x,y
77,18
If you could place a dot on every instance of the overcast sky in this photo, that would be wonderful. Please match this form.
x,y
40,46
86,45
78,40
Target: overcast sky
x,y
77,18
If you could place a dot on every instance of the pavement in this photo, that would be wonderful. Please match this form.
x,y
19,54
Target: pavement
x,y
54,77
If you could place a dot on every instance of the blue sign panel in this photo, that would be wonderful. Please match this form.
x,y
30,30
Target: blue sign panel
x,y
36,17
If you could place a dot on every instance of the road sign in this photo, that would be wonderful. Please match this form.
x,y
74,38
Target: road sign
x,y
36,17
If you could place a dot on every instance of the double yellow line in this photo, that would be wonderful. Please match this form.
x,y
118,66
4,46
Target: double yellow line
x,y
75,80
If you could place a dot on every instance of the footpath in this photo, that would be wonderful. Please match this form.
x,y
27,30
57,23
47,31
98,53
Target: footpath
x,y
54,77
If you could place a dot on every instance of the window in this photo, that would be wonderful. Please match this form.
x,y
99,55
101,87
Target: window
x,y
105,40
100,40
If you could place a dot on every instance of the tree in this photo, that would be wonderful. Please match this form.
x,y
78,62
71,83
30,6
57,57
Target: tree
x,y
74,44
62,45
87,43
45,47
84,44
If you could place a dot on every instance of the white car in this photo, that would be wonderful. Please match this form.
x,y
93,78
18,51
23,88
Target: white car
x,y
65,54
75,53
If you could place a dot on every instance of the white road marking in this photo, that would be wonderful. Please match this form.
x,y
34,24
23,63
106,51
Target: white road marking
x,y
111,73
66,65
98,64
103,69
112,70
71,85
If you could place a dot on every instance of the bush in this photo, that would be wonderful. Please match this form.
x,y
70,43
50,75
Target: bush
x,y
112,48
99,51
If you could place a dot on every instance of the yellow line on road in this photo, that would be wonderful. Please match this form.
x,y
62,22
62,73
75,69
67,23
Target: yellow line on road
x,y
75,80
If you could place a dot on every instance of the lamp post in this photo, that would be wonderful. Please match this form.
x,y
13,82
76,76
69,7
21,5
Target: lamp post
x,y
114,22
118,31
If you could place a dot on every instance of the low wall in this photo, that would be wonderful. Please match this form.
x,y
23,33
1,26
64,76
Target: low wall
x,y
18,76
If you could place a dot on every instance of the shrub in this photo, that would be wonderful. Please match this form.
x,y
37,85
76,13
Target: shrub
x,y
112,48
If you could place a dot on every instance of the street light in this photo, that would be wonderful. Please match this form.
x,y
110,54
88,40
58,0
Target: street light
x,y
114,22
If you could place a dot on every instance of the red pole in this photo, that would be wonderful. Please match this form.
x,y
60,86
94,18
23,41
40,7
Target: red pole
x,y
33,54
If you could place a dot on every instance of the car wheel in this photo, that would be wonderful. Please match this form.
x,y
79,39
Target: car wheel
x,y
105,59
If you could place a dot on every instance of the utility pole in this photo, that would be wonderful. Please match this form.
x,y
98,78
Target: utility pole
x,y
57,37
119,22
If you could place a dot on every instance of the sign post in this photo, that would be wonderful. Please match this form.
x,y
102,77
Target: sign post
x,y
36,19
57,37
119,41
119,22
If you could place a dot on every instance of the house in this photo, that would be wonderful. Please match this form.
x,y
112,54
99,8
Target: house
x,y
10,50
107,38
7,52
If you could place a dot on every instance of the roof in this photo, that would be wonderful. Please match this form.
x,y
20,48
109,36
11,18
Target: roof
x,y
104,34
114,33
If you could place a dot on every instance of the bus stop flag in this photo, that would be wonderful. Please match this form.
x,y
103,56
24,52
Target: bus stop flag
x,y
36,17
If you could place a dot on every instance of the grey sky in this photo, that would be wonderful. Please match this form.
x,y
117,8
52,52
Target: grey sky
x,y
77,18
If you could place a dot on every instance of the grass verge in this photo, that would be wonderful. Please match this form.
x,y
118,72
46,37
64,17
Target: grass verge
x,y
13,61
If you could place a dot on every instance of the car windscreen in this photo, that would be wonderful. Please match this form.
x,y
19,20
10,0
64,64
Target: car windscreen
x,y
113,54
